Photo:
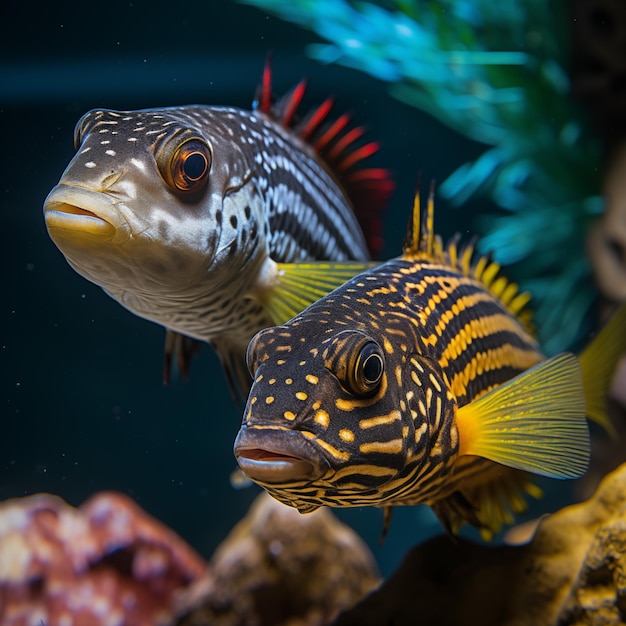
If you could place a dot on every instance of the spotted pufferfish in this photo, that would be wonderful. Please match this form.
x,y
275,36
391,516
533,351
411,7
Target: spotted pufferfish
x,y
189,216
420,381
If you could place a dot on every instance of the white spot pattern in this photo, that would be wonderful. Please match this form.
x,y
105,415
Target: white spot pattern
x,y
292,205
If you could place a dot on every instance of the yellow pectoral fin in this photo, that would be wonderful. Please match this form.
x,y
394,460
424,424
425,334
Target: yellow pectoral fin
x,y
599,360
533,422
294,286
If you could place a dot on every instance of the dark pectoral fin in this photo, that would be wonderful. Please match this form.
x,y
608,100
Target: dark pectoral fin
x,y
387,516
454,511
179,349
232,357
489,502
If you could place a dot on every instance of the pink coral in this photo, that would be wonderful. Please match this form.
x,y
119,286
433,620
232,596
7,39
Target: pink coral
x,y
105,563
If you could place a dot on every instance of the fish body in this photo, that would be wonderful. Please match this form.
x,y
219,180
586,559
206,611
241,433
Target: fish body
x,y
418,381
177,212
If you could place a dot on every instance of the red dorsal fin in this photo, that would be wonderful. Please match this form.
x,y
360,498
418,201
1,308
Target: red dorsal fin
x,y
284,110
263,95
331,134
313,120
340,148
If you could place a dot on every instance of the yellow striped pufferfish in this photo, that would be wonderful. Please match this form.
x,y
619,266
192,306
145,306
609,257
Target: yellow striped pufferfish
x,y
185,214
419,381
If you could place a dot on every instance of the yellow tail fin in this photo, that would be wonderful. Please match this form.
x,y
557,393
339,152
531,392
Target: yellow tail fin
x,y
534,422
598,361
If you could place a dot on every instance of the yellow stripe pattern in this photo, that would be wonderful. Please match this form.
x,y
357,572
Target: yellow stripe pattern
x,y
449,331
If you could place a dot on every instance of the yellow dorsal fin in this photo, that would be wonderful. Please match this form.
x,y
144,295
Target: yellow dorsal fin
x,y
427,228
286,289
533,422
488,273
599,360
420,235
465,262
421,242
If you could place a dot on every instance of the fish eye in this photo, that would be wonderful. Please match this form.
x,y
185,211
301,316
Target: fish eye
x,y
185,165
372,368
366,371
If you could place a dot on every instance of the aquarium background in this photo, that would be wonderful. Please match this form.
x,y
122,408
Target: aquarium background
x,y
83,407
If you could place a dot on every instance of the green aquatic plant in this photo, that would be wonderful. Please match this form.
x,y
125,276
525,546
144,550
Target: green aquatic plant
x,y
494,72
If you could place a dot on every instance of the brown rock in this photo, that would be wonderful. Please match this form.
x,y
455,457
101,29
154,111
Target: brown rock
x,y
105,563
572,573
280,568
598,597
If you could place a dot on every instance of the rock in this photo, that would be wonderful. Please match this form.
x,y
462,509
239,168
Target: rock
x,y
598,597
104,563
109,563
573,572
280,568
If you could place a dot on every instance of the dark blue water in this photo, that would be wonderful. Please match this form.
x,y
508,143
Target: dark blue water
x,y
82,404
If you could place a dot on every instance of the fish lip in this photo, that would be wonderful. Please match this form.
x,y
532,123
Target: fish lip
x,y
278,456
65,209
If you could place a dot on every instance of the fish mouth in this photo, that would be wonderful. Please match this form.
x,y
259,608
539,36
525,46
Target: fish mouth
x,y
275,456
76,210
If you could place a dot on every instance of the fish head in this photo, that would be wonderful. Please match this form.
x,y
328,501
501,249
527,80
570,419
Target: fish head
x,y
142,201
334,414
